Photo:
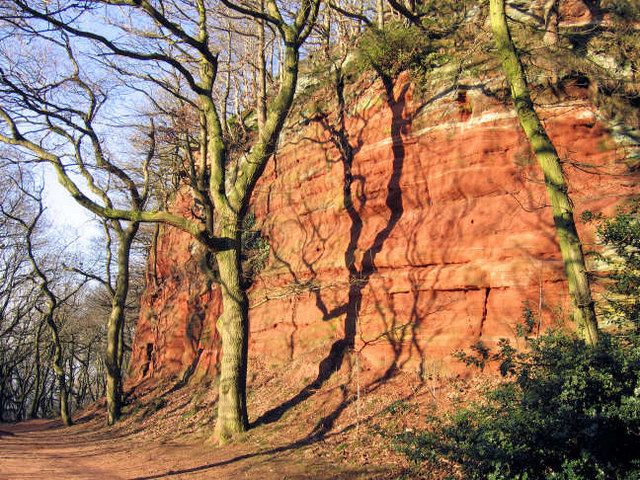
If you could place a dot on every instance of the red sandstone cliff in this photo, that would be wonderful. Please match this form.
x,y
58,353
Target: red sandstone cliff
x,y
447,236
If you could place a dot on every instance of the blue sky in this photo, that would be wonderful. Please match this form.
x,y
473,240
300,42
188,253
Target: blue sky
x,y
68,219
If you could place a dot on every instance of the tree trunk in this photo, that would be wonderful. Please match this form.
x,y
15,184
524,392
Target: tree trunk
x,y
380,12
33,413
114,374
327,26
262,74
121,347
58,369
233,326
115,327
71,379
570,246
43,395
2,397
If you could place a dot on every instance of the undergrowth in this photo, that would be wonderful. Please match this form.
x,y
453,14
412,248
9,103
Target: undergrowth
x,y
565,410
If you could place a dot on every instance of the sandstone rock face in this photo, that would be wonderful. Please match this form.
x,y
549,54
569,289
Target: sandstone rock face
x,y
438,236
176,330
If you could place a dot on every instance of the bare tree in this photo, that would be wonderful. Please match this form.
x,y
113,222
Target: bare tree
x,y
116,294
61,111
29,359
28,222
178,40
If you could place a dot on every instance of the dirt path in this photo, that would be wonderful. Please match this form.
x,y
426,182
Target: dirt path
x,y
44,450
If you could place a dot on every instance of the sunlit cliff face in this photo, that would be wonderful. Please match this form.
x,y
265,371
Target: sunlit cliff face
x,y
433,235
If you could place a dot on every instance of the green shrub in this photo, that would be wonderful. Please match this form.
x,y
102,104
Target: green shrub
x,y
622,235
395,48
568,411
398,407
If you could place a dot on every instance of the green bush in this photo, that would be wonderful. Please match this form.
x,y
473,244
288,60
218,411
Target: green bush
x,y
568,412
565,410
395,48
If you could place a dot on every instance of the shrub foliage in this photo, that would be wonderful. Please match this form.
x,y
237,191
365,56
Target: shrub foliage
x,y
393,49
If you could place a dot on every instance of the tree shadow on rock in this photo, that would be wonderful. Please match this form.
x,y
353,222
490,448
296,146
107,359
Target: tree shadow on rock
x,y
360,271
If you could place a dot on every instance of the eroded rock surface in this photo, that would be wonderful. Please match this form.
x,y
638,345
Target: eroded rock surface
x,y
438,237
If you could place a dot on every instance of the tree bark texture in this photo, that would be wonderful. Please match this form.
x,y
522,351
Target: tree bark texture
x,y
115,327
557,189
233,326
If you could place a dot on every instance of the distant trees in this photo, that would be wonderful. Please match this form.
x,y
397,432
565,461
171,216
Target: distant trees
x,y
167,45
51,304
18,317
63,108
36,302
52,321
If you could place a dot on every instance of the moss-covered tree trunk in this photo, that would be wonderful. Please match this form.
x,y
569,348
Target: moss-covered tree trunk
x,y
115,326
233,326
568,239
380,13
114,376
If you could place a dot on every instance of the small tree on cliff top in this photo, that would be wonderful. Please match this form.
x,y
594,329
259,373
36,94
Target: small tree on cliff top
x,y
154,41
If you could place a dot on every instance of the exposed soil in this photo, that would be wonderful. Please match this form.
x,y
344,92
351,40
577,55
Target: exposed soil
x,y
43,449
165,434
336,430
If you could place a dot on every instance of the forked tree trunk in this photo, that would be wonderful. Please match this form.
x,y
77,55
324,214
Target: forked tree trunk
x,y
233,326
570,246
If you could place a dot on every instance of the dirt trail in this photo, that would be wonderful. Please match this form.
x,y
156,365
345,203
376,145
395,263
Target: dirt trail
x,y
42,449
